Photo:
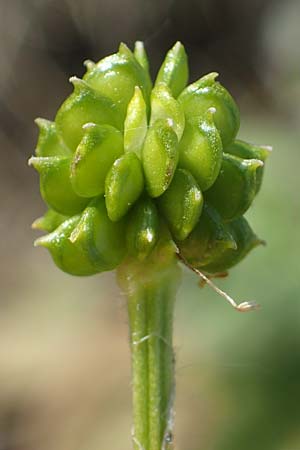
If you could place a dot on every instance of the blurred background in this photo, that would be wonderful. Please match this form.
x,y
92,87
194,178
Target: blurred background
x,y
64,357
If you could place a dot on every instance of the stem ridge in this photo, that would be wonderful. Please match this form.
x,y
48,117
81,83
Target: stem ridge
x,y
151,292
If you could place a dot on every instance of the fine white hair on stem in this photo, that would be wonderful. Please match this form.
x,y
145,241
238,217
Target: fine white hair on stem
x,y
241,307
135,441
148,336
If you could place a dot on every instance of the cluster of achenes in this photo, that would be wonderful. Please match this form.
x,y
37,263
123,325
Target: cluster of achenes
x,y
123,159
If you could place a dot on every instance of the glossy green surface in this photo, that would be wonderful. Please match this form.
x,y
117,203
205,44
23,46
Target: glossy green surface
x,y
235,187
55,185
94,156
123,185
67,256
85,105
200,150
49,221
245,240
49,142
181,204
127,159
160,157
164,106
116,76
174,71
135,125
142,229
209,240
251,151
207,93
141,56
98,237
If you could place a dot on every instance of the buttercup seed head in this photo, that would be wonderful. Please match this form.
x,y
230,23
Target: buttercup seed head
x,y
125,165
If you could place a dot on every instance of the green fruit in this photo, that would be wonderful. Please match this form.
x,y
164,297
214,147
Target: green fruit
x,y
200,150
85,105
142,229
250,151
160,157
245,240
98,237
65,254
209,240
164,106
174,71
123,185
55,185
49,142
235,187
141,56
129,172
181,204
100,146
135,125
49,221
206,93
116,77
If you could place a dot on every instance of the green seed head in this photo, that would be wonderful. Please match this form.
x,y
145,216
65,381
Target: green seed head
x,y
125,167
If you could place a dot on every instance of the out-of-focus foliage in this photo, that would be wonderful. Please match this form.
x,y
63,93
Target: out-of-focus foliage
x,y
64,358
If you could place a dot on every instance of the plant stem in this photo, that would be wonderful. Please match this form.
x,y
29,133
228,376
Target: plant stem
x,y
151,290
137,312
155,375
168,362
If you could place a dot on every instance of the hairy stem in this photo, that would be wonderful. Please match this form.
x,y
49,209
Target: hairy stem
x,y
137,312
151,293
155,375
167,364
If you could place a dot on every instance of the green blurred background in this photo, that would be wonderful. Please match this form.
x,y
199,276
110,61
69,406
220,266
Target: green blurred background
x,y
64,357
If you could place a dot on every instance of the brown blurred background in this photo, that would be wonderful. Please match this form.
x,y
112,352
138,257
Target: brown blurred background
x,y
64,358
